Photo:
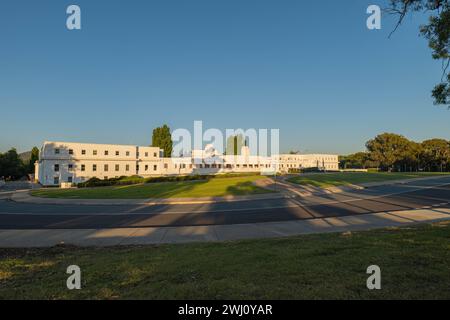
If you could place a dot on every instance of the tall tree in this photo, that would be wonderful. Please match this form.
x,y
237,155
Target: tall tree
x,y
389,149
235,144
163,139
34,157
437,32
435,154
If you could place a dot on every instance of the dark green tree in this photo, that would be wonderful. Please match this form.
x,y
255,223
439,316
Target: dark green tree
x,y
162,138
234,144
33,158
436,31
11,166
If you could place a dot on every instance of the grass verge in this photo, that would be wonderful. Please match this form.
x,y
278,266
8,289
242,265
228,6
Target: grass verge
x,y
414,264
345,178
185,189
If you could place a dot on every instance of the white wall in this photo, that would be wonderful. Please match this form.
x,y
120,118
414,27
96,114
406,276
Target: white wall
x,y
82,161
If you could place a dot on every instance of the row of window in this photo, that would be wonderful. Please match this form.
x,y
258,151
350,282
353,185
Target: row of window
x,y
219,166
56,167
105,152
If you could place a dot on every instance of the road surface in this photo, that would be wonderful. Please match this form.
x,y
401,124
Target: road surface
x,y
413,195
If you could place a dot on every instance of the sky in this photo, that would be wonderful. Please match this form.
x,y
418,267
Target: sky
x,y
309,68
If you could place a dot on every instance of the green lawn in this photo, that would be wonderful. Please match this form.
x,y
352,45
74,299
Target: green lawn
x,y
345,178
414,264
204,188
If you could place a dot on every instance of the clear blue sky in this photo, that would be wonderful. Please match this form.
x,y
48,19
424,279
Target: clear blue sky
x,y
310,68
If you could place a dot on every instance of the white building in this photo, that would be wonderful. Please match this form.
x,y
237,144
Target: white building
x,y
67,162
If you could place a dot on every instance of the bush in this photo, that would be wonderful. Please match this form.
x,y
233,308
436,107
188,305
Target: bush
x,y
96,182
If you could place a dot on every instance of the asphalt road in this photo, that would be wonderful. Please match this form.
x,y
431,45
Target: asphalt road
x,y
413,195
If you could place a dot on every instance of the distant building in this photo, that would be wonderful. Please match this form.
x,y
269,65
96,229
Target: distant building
x,y
67,162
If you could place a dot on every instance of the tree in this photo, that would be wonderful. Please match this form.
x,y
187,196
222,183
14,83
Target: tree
x,y
437,32
389,150
234,144
11,165
34,157
163,139
355,161
435,154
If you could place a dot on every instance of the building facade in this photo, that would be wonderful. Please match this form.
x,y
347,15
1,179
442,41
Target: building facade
x,y
67,162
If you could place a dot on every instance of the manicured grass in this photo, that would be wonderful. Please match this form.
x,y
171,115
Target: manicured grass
x,y
323,180
414,264
205,188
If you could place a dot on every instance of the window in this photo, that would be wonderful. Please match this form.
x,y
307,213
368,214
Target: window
x,y
137,168
127,167
146,167
155,167
117,167
146,154
105,167
166,166
56,151
105,177
94,152
69,179
155,154
70,167
70,151
83,152
94,167
56,180
56,167
83,167
106,152
128,153
117,153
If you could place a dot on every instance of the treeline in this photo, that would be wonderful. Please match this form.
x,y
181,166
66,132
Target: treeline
x,y
393,152
12,167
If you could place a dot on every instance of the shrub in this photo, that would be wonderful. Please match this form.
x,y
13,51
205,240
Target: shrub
x,y
96,182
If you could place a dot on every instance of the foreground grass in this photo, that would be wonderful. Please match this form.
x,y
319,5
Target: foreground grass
x,y
346,178
204,188
414,263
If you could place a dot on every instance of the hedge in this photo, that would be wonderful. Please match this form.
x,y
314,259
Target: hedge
x,y
121,181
